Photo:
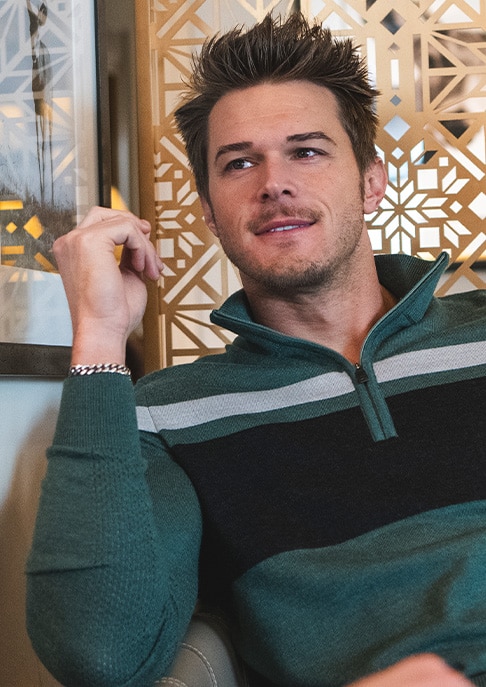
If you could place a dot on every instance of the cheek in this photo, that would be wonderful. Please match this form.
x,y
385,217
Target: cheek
x,y
230,228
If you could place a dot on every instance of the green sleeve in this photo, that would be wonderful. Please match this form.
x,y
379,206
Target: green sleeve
x,y
112,573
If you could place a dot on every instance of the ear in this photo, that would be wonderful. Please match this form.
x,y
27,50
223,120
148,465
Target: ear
x,y
209,216
375,181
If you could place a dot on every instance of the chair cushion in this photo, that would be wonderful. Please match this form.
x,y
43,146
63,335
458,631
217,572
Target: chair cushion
x,y
205,657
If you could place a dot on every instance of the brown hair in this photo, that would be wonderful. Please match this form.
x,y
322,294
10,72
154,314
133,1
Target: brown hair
x,y
277,51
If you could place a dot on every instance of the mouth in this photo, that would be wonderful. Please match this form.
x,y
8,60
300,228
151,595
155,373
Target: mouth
x,y
288,227
285,225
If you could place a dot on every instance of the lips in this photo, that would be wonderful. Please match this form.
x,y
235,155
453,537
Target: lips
x,y
287,224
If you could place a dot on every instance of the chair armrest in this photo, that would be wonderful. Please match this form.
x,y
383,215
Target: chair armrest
x,y
205,657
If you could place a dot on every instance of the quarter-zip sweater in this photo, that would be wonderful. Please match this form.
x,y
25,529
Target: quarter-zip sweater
x,y
335,512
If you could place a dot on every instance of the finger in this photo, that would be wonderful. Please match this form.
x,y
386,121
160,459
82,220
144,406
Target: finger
x,y
139,255
100,214
111,228
95,215
146,263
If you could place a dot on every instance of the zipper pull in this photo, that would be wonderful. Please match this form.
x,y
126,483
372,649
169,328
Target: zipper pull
x,y
361,376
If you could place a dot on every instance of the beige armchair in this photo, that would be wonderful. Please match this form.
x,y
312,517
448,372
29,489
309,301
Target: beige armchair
x,y
205,658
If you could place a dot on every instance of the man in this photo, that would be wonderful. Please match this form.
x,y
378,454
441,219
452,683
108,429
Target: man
x,y
319,482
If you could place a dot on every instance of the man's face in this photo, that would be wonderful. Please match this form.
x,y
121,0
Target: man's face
x,y
286,198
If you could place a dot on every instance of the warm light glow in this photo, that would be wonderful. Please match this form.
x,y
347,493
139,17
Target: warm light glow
x,y
117,202
11,205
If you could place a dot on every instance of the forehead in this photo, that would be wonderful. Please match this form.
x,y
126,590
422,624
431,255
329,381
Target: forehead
x,y
280,108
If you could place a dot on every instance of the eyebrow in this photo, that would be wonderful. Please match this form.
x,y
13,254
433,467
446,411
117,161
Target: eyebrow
x,y
293,138
309,136
232,148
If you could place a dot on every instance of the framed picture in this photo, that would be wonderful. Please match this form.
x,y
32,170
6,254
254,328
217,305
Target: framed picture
x,y
54,165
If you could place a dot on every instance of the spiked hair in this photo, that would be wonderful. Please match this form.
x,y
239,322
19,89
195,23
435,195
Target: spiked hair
x,y
276,51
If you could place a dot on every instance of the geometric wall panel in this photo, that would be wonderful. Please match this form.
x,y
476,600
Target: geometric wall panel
x,y
428,60
197,277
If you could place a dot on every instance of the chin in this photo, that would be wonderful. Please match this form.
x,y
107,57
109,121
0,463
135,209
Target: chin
x,y
314,276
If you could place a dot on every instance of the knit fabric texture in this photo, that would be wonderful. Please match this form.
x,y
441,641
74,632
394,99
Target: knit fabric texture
x,y
333,510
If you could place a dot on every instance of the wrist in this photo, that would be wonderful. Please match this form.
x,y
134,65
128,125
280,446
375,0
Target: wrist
x,y
102,349
99,368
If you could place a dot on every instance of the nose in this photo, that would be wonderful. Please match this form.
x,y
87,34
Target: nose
x,y
275,181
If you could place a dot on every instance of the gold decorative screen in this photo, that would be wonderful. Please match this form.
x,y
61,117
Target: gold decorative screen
x,y
427,58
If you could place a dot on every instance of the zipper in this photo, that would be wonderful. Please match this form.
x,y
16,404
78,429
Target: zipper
x,y
360,374
374,406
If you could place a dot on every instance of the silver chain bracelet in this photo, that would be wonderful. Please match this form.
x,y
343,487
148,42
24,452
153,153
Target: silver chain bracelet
x,y
83,370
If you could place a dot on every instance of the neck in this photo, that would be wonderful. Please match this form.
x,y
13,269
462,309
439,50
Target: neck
x,y
338,318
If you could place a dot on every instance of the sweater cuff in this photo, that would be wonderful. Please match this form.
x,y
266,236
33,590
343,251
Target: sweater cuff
x,y
97,413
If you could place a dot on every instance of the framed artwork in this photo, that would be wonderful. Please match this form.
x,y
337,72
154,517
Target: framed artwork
x,y
54,165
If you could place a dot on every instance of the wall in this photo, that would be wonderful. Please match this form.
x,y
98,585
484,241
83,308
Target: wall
x,y
28,408
27,419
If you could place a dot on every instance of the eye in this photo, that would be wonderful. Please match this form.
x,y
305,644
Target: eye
x,y
304,153
238,163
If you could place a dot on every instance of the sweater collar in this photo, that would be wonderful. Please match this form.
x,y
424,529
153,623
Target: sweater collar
x,y
412,280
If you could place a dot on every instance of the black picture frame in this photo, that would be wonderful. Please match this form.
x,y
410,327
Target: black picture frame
x,y
52,361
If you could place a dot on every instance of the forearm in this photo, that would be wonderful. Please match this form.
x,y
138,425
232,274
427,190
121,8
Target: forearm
x,y
104,576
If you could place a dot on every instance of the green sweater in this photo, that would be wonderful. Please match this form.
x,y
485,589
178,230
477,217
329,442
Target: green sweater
x,y
335,512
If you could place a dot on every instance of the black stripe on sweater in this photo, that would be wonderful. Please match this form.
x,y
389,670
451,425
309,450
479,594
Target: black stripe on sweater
x,y
323,481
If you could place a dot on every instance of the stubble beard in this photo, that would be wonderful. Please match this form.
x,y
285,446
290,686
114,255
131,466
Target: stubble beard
x,y
300,274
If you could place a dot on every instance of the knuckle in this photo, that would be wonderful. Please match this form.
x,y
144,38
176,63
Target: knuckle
x,y
58,245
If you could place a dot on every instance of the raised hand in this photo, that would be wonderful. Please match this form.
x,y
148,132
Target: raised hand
x,y
106,299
